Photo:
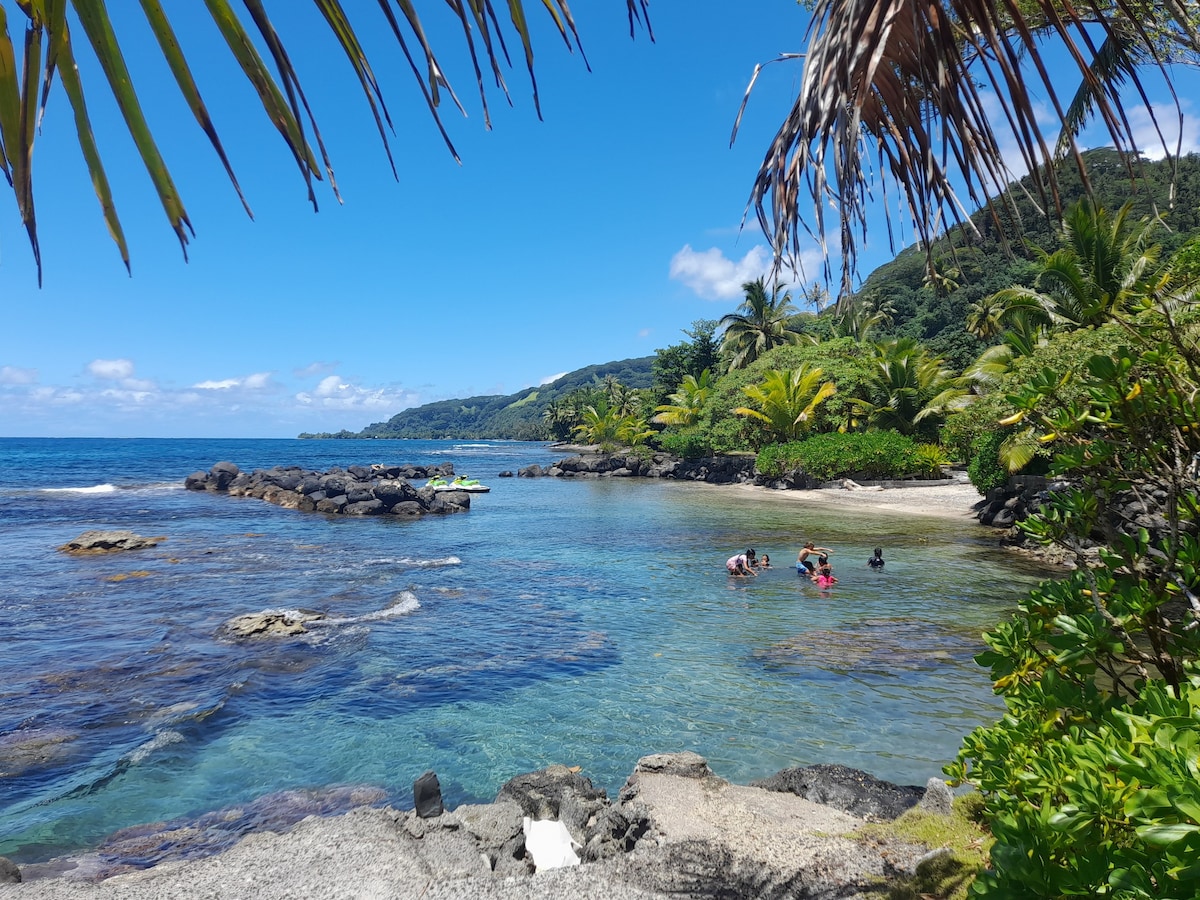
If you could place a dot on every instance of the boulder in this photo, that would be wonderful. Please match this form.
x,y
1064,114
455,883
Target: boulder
x,y
427,795
269,623
849,790
684,765
9,873
95,542
938,798
541,794
332,504
450,502
409,508
534,471
363,508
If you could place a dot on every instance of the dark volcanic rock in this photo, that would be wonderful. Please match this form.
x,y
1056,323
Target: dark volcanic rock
x,y
541,794
846,789
355,491
427,795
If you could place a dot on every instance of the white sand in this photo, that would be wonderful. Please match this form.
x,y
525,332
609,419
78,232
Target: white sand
x,y
945,501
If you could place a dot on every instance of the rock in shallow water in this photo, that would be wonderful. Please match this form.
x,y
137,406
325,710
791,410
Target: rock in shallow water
x,y
91,542
270,623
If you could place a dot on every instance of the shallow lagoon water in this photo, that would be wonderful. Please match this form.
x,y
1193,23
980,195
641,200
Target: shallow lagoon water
x,y
584,622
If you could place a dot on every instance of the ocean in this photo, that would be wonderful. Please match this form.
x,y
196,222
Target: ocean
x,y
582,622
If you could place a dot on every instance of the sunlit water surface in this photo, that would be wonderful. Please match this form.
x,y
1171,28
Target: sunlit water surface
x,y
584,622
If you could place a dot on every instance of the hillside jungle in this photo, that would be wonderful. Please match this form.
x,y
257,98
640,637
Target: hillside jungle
x,y
909,374
1072,352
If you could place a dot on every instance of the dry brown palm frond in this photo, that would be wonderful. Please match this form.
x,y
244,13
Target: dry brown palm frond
x,y
921,82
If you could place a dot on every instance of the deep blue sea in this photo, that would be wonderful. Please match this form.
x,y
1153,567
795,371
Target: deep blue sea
x,y
583,622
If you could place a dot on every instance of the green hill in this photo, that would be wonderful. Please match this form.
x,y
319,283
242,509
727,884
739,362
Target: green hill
x,y
498,417
969,267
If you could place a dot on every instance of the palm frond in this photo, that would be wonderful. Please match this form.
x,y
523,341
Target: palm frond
x,y
905,79
25,83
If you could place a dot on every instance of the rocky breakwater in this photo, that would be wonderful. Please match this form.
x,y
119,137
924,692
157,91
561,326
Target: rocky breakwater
x,y
710,469
354,491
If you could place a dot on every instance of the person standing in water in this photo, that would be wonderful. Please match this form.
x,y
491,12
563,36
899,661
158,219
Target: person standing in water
x,y
876,561
804,565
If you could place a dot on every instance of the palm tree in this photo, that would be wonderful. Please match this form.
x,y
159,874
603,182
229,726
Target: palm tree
x,y
758,325
914,390
52,38
904,98
1106,268
686,402
786,400
985,318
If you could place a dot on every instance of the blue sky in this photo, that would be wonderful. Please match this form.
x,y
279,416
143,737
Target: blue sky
x,y
596,234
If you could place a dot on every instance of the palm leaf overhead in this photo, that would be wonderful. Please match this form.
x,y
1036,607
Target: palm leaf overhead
x,y
909,80
50,48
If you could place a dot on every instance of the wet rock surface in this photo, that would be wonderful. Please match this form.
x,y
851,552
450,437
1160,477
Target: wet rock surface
x,y
849,790
114,541
373,490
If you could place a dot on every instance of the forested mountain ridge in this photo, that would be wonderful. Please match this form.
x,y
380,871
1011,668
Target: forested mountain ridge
x,y
902,299
499,416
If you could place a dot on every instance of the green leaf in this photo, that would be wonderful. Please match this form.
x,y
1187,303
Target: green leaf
x,y
1164,835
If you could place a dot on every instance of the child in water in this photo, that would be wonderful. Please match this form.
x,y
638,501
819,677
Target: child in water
x,y
804,566
765,562
876,561
824,577
741,565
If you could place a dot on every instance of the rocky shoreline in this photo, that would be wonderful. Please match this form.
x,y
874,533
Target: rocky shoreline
x,y
354,491
675,830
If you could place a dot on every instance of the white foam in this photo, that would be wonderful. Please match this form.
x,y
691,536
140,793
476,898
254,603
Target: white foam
x,y
94,489
160,740
430,563
405,604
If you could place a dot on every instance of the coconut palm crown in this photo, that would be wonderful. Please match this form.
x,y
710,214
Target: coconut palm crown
x,y
758,325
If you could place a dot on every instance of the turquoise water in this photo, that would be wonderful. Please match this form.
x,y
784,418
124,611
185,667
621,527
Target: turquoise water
x,y
584,622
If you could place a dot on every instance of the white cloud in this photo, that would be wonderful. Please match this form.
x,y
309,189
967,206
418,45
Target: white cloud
x,y
550,378
256,382
644,333
217,385
111,369
17,375
714,276
1186,133
115,401
332,392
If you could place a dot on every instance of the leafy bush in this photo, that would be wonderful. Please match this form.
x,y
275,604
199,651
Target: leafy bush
x,y
776,460
876,454
690,443
931,458
985,469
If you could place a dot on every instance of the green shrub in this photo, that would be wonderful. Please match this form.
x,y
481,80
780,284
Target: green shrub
x,y
985,469
690,443
875,454
776,460
931,458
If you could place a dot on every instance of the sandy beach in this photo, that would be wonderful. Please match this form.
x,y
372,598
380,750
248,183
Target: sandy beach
x,y
944,501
